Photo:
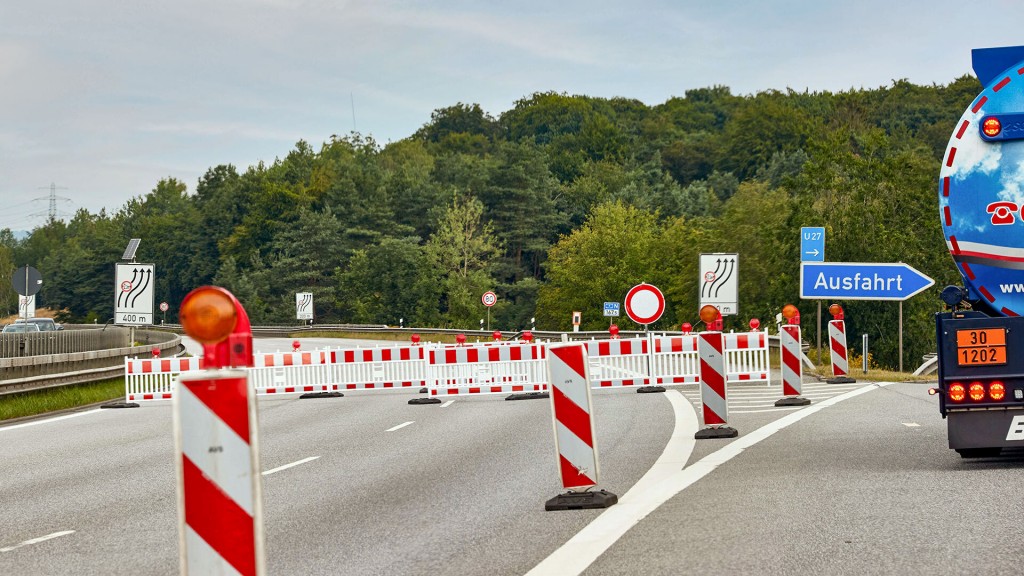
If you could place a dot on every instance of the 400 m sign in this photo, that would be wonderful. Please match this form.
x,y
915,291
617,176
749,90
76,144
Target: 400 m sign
x,y
133,294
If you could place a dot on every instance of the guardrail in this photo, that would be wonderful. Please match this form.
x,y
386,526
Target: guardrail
x,y
72,339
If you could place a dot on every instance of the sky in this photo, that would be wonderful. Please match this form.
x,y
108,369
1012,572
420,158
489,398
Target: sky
x,y
101,99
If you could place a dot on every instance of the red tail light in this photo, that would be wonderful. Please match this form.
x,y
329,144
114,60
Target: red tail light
x,y
977,391
957,392
996,391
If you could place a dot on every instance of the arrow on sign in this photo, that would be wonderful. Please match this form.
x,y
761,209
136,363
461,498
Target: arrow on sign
x,y
860,281
813,253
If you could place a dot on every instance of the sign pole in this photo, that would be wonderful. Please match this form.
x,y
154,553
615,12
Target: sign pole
x,y
818,320
901,335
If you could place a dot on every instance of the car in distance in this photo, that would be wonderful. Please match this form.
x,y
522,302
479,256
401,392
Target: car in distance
x,y
44,324
20,327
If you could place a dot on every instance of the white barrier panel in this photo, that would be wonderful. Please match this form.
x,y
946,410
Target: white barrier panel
x,y
746,357
153,379
487,369
289,372
618,362
377,368
674,360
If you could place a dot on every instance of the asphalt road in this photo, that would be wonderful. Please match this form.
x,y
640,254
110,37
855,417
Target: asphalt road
x,y
859,482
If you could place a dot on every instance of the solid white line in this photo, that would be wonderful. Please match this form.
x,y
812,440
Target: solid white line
x,y
37,422
38,540
292,465
911,424
403,425
774,409
447,404
589,543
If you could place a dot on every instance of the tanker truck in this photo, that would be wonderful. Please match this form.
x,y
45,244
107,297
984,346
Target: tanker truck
x,y
980,336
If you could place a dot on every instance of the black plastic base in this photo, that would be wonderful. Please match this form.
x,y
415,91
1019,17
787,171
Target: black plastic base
x,y
717,432
322,395
120,405
841,380
793,401
423,390
527,396
581,501
430,400
649,389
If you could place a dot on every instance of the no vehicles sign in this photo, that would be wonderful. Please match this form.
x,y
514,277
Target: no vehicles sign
x,y
133,294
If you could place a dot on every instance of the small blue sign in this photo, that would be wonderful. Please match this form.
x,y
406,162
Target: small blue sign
x,y
812,244
860,281
611,308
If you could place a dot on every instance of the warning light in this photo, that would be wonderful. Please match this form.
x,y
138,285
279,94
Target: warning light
x,y
613,330
686,328
208,314
977,391
991,127
957,392
496,335
754,324
708,313
527,336
791,313
296,345
836,311
460,339
415,338
996,391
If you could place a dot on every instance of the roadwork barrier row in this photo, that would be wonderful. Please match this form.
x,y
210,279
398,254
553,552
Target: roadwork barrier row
x,y
485,368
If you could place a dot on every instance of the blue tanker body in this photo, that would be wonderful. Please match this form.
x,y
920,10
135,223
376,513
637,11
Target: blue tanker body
x,y
980,342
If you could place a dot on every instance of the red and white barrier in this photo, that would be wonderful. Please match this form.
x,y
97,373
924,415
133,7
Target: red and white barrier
x,y
746,357
486,369
153,379
289,372
619,362
840,359
674,360
219,483
377,368
792,369
711,351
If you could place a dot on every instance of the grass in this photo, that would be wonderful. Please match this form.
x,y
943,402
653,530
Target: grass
x,y
38,402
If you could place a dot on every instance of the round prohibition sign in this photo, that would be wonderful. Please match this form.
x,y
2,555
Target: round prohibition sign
x,y
489,298
644,303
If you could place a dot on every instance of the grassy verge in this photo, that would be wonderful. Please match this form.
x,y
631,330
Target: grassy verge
x,y
44,401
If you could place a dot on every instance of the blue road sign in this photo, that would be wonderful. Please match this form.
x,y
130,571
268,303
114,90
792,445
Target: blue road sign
x,y
812,244
860,281
611,308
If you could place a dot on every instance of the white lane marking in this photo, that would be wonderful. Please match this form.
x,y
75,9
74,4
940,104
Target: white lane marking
x,y
37,422
775,409
447,404
37,540
911,424
292,465
644,497
403,425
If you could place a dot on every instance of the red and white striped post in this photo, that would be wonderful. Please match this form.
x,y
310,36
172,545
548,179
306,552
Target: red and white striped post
x,y
220,521
837,347
789,350
575,440
713,395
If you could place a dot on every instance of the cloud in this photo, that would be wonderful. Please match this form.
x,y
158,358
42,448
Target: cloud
x,y
972,153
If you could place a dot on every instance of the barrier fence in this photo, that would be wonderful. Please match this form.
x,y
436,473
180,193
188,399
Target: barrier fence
x,y
487,368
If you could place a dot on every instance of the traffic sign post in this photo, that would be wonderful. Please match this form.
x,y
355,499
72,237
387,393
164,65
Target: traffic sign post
x,y
489,299
27,281
720,282
644,304
611,309
133,294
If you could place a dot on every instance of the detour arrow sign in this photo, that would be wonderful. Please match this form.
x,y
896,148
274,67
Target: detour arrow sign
x,y
860,281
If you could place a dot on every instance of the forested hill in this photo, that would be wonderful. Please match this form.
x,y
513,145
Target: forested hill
x,y
559,204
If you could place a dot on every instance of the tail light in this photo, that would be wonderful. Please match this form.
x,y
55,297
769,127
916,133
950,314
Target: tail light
x,y
957,392
977,391
996,391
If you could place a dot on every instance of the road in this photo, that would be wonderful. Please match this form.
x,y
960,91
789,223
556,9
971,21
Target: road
x,y
859,482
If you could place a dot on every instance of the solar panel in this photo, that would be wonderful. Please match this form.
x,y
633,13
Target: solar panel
x,y
129,252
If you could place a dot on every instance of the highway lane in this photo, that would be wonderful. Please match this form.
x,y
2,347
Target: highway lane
x,y
460,490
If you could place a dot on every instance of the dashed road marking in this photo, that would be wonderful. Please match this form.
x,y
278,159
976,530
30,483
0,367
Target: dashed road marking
x,y
37,540
400,426
292,465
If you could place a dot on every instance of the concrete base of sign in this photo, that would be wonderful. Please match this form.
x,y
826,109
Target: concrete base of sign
x,y
793,401
120,405
527,396
841,380
322,395
649,389
581,501
716,432
430,400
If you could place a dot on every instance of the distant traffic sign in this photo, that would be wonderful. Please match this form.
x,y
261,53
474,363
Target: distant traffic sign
x,y
133,294
26,280
644,304
303,305
489,298
860,281
611,308
812,244
719,280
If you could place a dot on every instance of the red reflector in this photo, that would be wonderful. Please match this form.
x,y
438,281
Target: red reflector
x,y
996,391
977,391
957,392
991,127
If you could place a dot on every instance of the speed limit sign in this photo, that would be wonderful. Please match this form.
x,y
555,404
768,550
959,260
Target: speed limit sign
x,y
489,298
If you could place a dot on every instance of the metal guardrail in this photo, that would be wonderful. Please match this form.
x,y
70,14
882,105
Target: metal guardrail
x,y
72,339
